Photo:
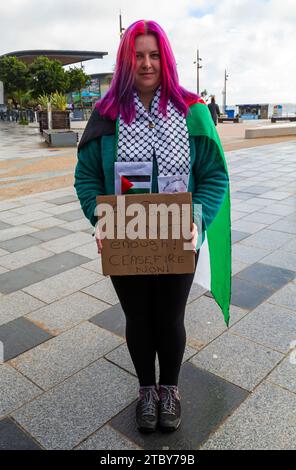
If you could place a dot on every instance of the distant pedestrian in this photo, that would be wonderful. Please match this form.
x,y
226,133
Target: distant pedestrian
x,y
214,110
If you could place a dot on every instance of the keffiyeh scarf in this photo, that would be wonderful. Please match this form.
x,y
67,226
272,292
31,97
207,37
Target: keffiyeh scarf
x,y
150,133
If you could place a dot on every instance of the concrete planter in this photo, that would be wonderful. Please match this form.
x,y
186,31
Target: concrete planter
x,y
60,120
61,138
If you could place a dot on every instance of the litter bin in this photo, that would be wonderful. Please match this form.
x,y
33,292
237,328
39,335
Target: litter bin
x,y
230,113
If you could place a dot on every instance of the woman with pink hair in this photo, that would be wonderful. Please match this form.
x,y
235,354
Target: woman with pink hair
x,y
148,119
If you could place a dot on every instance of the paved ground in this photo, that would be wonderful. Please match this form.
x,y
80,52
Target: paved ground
x,y
67,380
28,166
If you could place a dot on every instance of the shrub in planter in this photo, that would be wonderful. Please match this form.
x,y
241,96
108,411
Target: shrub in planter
x,y
24,122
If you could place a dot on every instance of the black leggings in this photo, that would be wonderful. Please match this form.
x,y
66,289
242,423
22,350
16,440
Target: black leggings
x,y
154,308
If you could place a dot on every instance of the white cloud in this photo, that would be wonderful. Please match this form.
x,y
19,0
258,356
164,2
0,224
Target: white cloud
x,y
253,39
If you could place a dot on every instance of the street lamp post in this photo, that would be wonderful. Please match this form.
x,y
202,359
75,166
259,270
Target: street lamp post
x,y
121,29
224,91
198,66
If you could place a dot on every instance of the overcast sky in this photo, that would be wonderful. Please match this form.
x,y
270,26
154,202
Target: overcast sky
x,y
253,39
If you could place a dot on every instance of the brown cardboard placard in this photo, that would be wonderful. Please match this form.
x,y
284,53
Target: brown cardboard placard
x,y
148,255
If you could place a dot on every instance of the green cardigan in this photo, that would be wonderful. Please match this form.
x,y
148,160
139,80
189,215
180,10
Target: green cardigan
x,y
208,181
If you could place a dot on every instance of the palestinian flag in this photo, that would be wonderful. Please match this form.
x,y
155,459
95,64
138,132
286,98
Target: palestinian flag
x,y
133,177
214,264
135,184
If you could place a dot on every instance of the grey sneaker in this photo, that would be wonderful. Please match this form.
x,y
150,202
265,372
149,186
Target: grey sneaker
x,y
147,409
170,408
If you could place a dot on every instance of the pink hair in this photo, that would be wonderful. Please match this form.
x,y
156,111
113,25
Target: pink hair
x,y
120,99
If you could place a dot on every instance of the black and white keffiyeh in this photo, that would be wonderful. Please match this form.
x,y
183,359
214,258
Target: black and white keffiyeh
x,y
151,133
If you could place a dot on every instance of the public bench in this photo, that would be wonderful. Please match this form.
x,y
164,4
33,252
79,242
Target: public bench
x,y
283,118
228,119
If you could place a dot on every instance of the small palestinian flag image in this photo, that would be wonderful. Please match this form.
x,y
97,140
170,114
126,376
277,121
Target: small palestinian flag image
x,y
133,177
135,184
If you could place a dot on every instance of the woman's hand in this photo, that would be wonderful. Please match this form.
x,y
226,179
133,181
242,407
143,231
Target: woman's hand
x,y
194,236
98,239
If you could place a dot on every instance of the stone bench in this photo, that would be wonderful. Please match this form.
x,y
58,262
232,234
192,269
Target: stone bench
x,y
228,119
271,131
283,118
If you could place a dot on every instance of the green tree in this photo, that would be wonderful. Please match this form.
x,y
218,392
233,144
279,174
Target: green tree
x,y
16,78
77,80
47,76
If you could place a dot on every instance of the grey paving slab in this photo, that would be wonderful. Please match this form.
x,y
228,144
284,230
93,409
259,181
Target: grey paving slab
x,y
276,195
67,242
250,362
202,411
244,196
235,215
107,439
284,225
263,218
285,297
19,243
271,277
237,266
61,209
237,236
46,223
56,264
204,321
53,362
63,200
17,304
284,374
263,422
121,357
62,417
62,284
282,259
8,233
19,336
7,205
26,218
16,390
278,208
94,265
89,250
17,279
248,295
247,254
4,225
249,227
24,257
12,437
196,291
104,291
268,239
51,233
112,319
78,225
257,189
246,207
3,252
71,216
290,246
63,314
269,325
37,206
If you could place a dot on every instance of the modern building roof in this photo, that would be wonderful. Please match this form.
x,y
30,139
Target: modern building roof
x,y
65,57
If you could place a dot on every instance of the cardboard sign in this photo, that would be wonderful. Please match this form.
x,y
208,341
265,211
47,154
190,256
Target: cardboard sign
x,y
157,229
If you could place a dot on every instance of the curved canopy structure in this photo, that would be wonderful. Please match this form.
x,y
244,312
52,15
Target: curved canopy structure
x,y
65,57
